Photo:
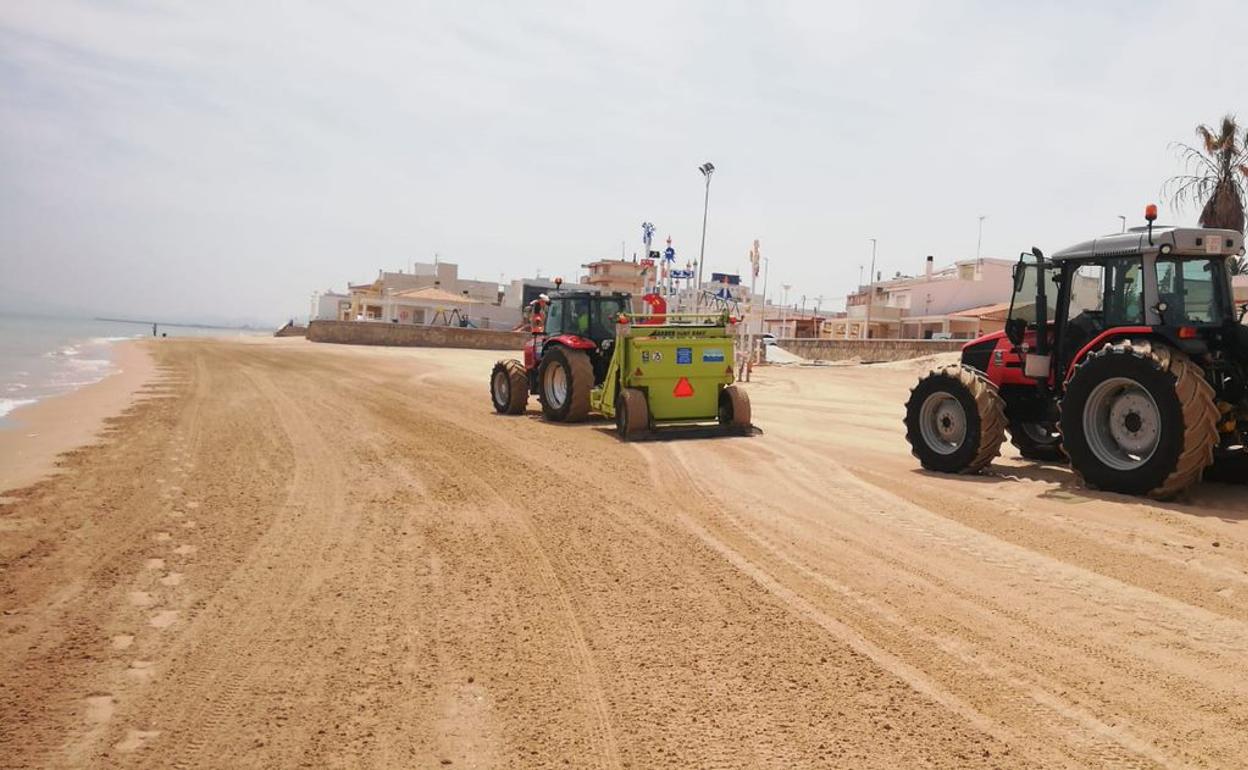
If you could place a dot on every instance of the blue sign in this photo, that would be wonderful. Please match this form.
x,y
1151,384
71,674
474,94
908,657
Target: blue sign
x,y
684,355
669,254
682,273
712,356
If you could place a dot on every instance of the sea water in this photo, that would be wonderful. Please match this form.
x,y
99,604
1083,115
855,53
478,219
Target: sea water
x,y
41,357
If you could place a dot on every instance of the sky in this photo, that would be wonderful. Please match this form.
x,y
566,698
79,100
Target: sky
x,y
223,161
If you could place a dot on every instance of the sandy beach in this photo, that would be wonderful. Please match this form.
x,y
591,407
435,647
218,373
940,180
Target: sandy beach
x,y
287,554
45,429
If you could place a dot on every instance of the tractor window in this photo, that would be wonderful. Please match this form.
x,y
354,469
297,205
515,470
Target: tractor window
x,y
1124,292
1189,289
602,324
1023,303
1087,296
554,318
1107,294
577,320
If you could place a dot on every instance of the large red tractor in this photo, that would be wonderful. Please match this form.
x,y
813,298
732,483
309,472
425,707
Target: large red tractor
x,y
1124,355
567,355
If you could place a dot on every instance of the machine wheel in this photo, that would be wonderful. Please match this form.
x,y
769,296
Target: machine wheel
x,y
955,420
1037,440
632,414
509,387
1139,418
564,381
734,408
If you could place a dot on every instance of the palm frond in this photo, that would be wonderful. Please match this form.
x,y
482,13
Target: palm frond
x,y
1207,138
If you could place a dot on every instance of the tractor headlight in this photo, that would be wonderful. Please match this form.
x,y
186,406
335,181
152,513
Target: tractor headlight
x,y
1166,249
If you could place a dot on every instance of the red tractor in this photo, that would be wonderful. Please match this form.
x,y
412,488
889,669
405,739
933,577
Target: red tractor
x,y
1124,355
565,358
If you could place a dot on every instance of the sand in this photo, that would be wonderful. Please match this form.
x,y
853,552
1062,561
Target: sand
x,y
290,554
43,430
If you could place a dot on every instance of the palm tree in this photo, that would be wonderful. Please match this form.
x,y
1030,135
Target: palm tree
x,y
1217,174
1239,266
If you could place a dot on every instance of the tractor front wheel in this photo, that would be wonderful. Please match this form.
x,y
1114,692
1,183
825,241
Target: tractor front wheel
x,y
564,380
734,408
1036,440
955,420
632,414
509,387
1139,419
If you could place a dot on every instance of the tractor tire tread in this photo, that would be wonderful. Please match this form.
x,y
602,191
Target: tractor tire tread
x,y
582,374
518,379
990,408
1198,404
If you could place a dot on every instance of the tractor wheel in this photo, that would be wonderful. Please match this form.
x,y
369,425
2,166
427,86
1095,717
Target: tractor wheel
x,y
564,380
734,408
1139,418
509,387
955,420
1037,440
632,414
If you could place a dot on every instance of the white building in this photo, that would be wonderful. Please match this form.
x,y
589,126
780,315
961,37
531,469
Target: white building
x,y
954,301
433,294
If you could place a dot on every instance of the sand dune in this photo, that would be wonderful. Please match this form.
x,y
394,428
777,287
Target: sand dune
x,y
289,554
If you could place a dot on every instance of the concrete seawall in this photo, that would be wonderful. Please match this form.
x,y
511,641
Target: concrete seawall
x,y
868,350
400,335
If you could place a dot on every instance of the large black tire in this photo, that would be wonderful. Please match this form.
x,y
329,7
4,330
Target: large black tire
x,y
734,408
1039,441
1139,418
509,387
955,420
632,414
563,383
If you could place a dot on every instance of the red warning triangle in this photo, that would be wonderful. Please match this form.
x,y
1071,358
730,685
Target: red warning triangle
x,y
683,389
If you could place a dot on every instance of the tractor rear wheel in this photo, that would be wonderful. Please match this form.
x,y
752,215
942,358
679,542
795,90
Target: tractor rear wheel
x,y
632,414
734,408
509,387
1036,440
564,380
1139,418
955,420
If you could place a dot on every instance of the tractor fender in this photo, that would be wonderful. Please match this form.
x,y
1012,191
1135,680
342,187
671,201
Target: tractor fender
x,y
1099,341
571,341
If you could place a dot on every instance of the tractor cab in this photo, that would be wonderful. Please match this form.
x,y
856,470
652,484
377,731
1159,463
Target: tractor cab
x,y
1124,354
1168,282
588,315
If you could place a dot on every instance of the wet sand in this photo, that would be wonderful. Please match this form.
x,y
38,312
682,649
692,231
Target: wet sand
x,y
41,431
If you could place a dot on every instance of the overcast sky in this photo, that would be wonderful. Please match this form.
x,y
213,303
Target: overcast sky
x,y
225,160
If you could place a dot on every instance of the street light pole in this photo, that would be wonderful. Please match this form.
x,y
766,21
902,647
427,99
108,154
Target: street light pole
x,y
979,243
766,269
784,312
707,169
866,332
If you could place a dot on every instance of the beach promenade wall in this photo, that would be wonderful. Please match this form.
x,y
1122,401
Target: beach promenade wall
x,y
401,335
867,350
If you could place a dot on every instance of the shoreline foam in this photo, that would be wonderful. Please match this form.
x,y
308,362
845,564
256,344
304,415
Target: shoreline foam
x,y
37,431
